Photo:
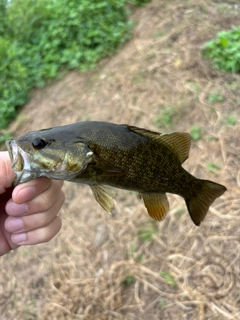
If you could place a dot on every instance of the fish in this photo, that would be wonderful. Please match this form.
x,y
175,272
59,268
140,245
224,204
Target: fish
x,y
106,155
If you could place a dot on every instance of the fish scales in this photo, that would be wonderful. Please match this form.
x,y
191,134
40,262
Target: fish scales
x,y
104,155
123,148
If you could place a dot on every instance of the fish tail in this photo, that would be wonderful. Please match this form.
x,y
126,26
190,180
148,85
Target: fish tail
x,y
199,203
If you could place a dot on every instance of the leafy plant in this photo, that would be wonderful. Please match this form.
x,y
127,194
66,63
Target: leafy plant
x,y
5,136
147,234
128,279
224,51
196,132
230,120
39,39
132,253
165,118
132,249
213,167
13,81
215,97
162,304
169,279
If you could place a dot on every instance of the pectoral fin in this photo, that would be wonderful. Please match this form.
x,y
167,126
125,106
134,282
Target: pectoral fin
x,y
104,196
156,204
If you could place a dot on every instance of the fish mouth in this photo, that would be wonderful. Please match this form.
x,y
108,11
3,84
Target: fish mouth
x,y
21,163
25,168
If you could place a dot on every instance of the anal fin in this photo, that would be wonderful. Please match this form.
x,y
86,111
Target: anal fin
x,y
156,203
104,196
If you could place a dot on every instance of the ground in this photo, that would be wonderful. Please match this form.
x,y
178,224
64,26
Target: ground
x,y
128,266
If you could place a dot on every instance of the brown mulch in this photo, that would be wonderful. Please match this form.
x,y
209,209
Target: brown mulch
x,y
128,266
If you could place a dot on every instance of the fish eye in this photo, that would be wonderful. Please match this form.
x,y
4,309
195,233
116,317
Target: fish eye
x,y
39,143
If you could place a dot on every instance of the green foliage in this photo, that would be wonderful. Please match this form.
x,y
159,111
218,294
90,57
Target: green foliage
x,y
196,132
3,24
224,51
132,253
39,39
215,97
169,279
213,167
4,136
13,81
162,304
165,118
128,279
140,3
230,120
147,234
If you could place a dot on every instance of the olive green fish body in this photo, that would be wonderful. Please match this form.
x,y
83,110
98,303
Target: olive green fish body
x,y
103,154
128,160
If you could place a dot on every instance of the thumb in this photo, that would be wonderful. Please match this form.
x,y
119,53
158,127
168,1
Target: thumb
x,y
6,174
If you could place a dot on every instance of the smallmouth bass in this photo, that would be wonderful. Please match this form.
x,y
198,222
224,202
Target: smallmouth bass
x,y
105,155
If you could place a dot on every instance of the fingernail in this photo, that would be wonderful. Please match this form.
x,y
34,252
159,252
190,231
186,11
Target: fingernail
x,y
14,224
13,208
19,238
27,193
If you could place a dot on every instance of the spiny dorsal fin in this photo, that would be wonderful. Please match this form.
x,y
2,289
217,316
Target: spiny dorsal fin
x,y
178,142
156,203
104,196
145,132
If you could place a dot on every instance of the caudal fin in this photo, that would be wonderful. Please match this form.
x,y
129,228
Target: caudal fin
x,y
198,205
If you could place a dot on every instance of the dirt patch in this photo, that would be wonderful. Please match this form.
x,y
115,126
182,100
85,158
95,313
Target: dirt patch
x,y
128,266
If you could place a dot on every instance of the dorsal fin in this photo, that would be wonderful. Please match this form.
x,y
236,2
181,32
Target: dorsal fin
x,y
178,142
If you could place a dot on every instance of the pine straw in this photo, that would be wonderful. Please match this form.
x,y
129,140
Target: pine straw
x,y
103,267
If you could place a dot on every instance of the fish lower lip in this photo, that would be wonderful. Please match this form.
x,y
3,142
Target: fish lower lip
x,y
20,161
9,149
16,157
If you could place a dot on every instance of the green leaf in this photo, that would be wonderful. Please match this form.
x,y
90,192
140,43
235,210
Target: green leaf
x,y
224,42
196,132
169,279
224,51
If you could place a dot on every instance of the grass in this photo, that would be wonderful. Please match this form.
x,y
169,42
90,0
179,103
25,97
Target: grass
x,y
230,120
214,167
196,132
165,118
169,279
147,234
180,212
215,97
128,279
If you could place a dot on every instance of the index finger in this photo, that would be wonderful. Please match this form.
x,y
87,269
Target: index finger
x,y
31,189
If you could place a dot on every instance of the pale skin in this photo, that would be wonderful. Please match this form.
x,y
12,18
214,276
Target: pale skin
x,y
28,212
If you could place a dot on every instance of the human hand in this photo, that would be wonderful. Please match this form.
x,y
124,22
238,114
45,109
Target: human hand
x,y
28,212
